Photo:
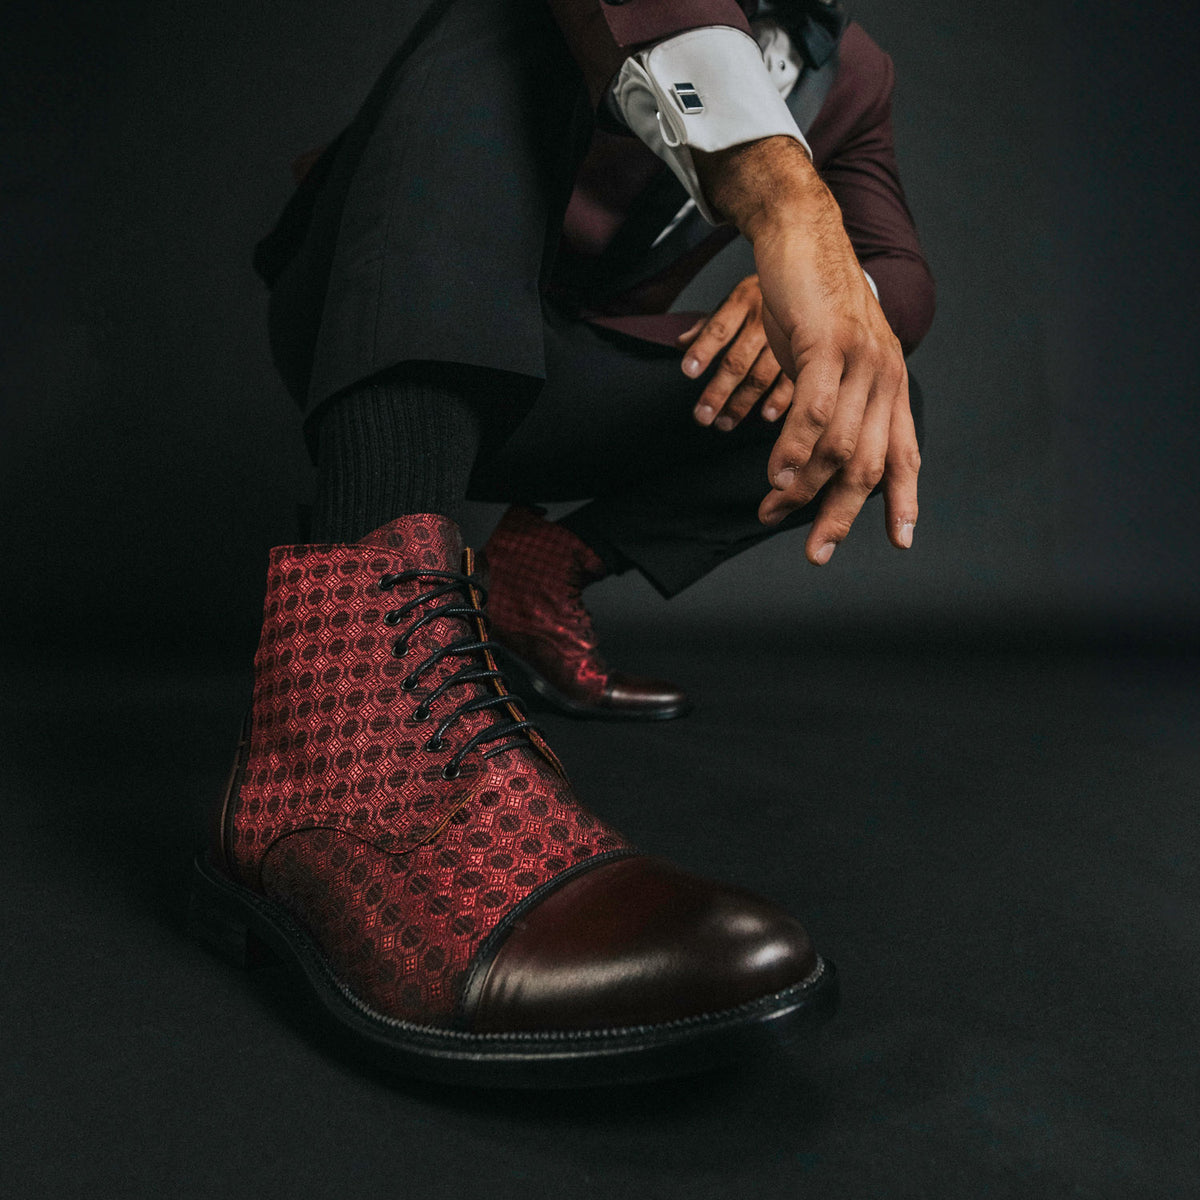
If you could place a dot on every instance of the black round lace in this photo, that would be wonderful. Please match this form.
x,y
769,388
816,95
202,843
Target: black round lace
x,y
475,672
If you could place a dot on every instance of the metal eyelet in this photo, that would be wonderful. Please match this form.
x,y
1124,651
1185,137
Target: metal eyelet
x,y
387,582
408,684
434,743
420,714
451,772
399,648
392,617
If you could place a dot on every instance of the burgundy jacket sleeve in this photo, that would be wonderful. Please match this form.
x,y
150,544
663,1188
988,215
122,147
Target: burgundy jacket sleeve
x,y
854,150
601,35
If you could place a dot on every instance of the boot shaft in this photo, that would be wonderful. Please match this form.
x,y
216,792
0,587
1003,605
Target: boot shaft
x,y
349,727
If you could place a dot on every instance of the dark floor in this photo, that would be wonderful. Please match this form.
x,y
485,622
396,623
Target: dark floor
x,y
997,846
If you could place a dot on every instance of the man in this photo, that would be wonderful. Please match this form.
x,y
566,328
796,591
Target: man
x,y
394,825
616,386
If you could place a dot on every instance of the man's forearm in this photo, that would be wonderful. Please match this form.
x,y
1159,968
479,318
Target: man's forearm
x,y
757,184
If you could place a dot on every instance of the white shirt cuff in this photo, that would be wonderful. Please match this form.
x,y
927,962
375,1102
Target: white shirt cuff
x,y
707,89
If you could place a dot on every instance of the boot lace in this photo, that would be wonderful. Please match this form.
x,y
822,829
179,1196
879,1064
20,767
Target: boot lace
x,y
508,732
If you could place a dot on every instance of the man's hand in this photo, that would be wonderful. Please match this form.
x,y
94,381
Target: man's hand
x,y
749,369
848,425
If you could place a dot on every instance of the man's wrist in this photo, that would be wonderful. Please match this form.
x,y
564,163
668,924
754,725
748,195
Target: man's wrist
x,y
763,186
702,91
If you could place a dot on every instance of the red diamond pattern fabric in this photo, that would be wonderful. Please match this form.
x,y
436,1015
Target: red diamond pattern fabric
x,y
343,815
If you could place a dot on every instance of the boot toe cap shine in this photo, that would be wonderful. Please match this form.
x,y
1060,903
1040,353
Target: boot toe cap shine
x,y
635,694
638,942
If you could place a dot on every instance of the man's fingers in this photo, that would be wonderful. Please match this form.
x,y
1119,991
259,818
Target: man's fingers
x,y
849,489
900,478
737,364
719,330
815,399
835,449
778,400
759,379
689,333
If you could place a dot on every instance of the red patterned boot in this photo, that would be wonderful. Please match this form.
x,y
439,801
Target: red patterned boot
x,y
397,832
536,572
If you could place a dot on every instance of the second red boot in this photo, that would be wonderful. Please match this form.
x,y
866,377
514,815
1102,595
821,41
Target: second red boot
x,y
537,571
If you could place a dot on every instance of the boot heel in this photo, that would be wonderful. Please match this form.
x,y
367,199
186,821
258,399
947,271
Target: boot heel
x,y
225,932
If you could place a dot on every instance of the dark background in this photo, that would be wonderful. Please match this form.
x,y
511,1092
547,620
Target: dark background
x,y
972,768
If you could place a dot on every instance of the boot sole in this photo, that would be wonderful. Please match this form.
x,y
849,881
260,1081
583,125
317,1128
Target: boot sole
x,y
531,685
248,929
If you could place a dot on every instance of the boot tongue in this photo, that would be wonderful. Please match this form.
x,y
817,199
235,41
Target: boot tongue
x,y
424,539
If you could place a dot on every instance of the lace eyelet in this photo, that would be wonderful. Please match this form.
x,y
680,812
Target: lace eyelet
x,y
408,684
434,744
420,714
399,649
387,582
451,772
392,617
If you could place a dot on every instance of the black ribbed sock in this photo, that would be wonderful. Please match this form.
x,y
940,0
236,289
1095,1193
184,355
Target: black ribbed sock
x,y
403,442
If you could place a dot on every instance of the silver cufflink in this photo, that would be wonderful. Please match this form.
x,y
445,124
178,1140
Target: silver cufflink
x,y
687,98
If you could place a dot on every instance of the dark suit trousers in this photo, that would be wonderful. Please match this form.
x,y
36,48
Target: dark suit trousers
x,y
425,231
613,425
427,234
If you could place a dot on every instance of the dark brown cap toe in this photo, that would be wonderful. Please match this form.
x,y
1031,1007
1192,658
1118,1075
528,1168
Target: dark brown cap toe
x,y
636,941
